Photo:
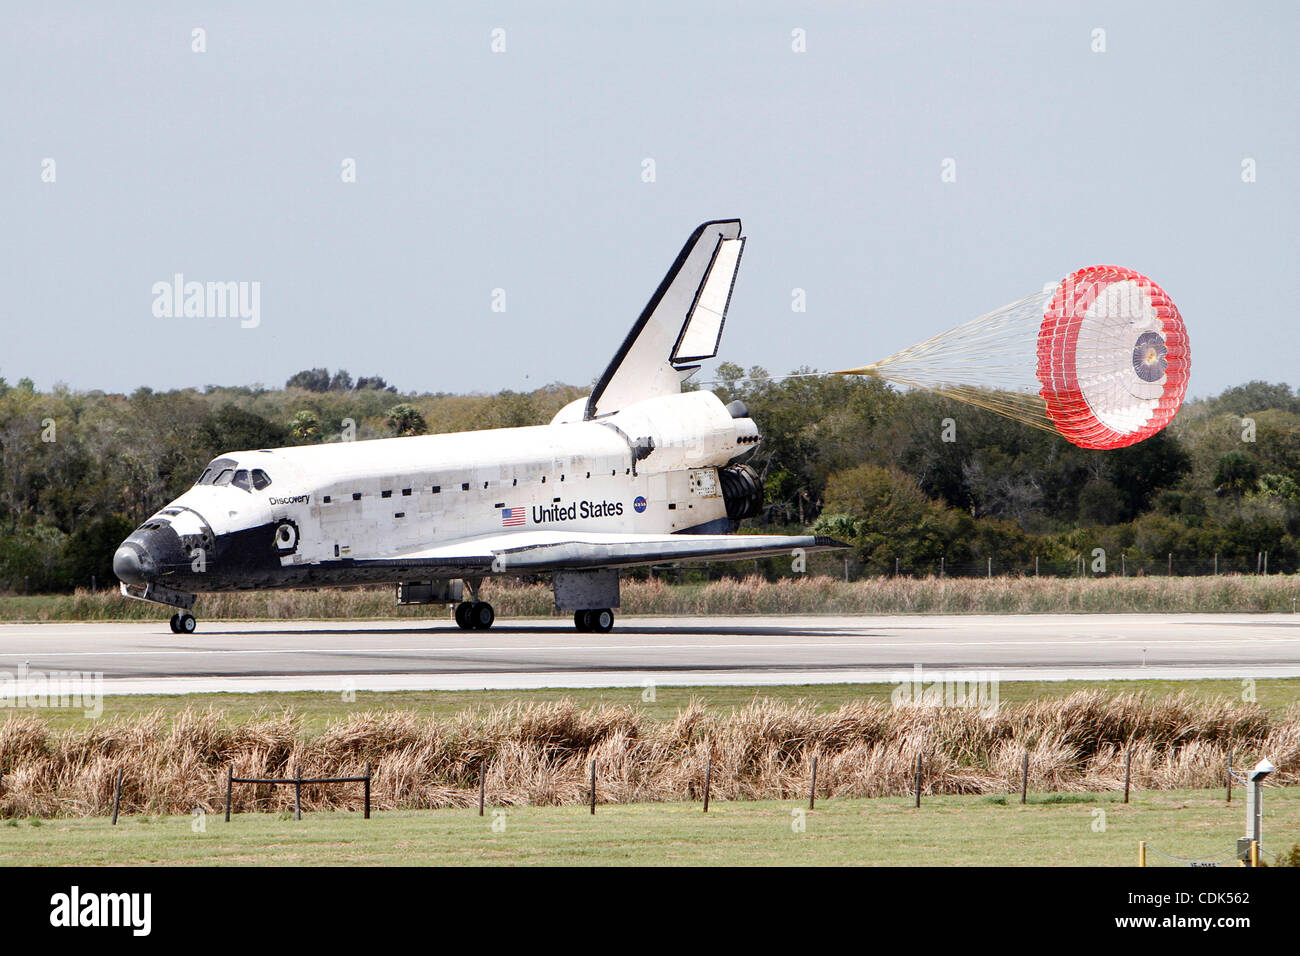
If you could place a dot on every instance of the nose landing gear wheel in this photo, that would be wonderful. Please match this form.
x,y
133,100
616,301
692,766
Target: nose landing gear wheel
x,y
183,623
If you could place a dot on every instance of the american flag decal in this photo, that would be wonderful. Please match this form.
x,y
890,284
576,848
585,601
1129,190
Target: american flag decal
x,y
512,517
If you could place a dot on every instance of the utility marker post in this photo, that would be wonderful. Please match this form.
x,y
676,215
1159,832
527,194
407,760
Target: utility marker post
x,y
1248,847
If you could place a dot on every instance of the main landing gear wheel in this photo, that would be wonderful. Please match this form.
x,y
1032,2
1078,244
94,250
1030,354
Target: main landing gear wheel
x,y
183,623
474,615
599,621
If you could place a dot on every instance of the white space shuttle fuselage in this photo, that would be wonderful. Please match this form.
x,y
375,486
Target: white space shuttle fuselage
x,y
637,473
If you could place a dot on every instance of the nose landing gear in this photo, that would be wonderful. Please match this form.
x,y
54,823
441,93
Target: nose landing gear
x,y
182,621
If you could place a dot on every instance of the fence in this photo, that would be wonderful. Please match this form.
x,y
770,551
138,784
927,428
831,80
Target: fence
x,y
297,781
1085,564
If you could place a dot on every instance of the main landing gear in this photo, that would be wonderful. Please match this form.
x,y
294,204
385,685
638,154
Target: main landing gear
x,y
599,621
183,623
474,615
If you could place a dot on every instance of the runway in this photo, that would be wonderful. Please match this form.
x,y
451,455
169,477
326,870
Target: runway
x,y
136,658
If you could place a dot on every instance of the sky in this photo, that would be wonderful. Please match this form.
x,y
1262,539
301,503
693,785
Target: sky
x,y
485,198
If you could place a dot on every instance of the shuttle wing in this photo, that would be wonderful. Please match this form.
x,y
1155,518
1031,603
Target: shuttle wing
x,y
534,551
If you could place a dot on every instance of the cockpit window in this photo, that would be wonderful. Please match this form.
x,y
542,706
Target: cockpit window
x,y
226,471
218,467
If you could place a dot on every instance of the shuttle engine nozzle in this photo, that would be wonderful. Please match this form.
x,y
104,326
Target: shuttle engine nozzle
x,y
741,490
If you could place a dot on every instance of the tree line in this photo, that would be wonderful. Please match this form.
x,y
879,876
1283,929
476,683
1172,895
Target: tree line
x,y
916,483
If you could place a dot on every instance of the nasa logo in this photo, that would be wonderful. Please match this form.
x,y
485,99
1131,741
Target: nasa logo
x,y
639,504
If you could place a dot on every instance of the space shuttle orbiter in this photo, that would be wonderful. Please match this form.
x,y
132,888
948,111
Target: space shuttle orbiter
x,y
637,473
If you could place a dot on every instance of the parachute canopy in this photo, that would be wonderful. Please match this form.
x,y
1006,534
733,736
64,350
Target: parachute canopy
x,y
1102,359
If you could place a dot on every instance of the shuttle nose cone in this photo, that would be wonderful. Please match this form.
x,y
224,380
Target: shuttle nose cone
x,y
133,565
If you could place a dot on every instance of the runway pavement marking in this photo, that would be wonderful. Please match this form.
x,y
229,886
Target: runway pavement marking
x,y
749,645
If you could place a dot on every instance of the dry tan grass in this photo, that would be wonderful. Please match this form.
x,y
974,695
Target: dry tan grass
x,y
751,595
540,753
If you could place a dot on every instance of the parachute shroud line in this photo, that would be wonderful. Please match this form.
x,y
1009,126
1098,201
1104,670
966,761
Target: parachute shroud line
x,y
1102,359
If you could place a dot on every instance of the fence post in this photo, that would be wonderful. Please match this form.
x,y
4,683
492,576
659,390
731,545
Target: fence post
x,y
1171,564
990,574
1035,565
1142,852
918,780
230,773
812,787
482,786
367,791
1128,771
117,796
1230,756
593,788
297,793
708,780
1024,779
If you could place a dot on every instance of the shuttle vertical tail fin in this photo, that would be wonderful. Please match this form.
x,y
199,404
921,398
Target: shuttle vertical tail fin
x,y
680,325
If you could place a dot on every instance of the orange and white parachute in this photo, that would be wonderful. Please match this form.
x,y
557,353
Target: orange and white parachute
x,y
1102,359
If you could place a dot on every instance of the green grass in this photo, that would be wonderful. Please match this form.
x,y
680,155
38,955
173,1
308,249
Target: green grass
x,y
945,831
317,709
